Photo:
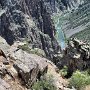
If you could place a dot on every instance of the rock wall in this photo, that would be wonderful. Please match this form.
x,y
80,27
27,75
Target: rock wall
x,y
28,20
76,56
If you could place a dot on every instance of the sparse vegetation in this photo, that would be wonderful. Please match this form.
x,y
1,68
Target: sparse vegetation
x,y
44,84
24,47
37,51
63,71
80,80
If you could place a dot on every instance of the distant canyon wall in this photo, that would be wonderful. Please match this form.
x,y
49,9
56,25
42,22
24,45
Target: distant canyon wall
x,y
77,20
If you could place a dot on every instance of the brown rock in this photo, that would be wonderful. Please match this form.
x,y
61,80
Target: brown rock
x,y
4,85
29,66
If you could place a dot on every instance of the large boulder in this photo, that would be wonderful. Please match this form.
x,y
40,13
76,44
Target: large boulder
x,y
28,71
21,67
29,66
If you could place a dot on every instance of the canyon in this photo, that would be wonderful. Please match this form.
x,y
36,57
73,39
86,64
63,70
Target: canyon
x,y
41,38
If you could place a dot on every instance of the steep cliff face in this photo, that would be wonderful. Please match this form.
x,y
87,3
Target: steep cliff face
x,y
28,20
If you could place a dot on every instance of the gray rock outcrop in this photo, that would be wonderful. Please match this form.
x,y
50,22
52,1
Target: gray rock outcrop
x,y
28,20
29,66
76,56
19,70
21,65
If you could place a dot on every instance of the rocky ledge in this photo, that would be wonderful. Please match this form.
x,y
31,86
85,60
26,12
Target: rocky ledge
x,y
19,70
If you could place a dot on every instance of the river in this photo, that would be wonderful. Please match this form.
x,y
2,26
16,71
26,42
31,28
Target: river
x,y
60,35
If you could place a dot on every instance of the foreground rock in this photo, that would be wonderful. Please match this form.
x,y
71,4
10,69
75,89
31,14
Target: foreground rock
x,y
20,70
29,66
4,85
17,67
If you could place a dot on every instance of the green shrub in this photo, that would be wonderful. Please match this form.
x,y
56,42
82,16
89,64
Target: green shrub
x,y
24,47
88,71
44,84
79,80
37,51
63,71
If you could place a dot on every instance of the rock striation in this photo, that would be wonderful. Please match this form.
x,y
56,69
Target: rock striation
x,y
28,20
76,21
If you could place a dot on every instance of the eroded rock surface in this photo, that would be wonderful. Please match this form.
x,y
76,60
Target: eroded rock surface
x,y
76,56
28,20
19,70
29,66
